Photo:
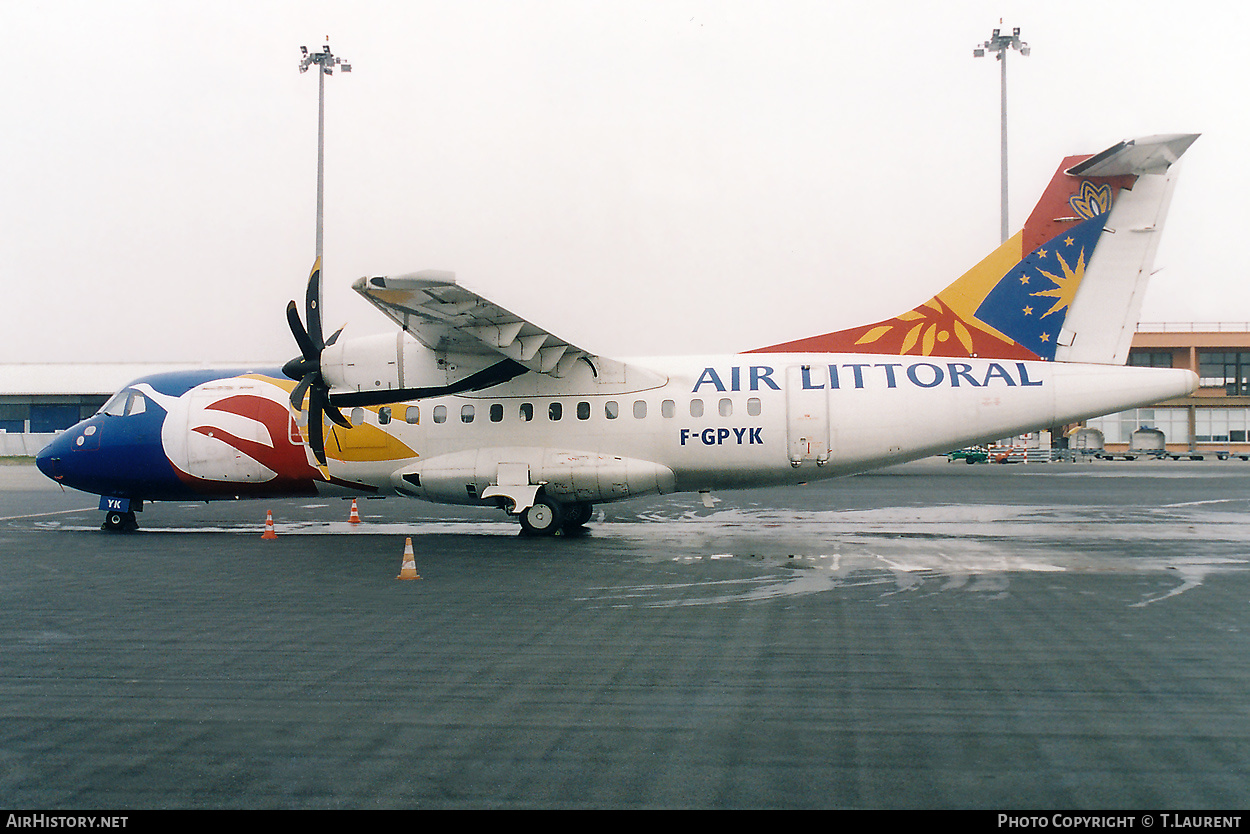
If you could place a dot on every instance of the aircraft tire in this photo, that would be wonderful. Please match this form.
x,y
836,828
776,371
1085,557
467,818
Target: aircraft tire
x,y
544,518
119,522
575,515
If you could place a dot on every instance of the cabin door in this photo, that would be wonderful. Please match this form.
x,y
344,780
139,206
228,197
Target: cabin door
x,y
807,414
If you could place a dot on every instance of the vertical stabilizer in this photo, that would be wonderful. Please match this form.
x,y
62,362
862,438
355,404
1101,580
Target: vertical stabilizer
x,y
1104,314
1067,287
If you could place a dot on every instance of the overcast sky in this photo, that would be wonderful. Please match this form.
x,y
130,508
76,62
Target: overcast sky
x,y
638,177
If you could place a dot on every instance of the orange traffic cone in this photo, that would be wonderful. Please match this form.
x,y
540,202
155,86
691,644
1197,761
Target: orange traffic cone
x,y
269,533
409,569
355,517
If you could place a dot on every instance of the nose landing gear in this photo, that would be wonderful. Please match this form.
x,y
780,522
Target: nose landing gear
x,y
116,521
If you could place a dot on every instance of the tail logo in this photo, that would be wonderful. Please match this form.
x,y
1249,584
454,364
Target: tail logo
x,y
1017,305
1092,200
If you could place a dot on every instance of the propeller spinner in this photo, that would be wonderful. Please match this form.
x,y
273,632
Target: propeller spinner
x,y
306,368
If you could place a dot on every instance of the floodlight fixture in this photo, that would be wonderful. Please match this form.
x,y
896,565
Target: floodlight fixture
x,y
327,61
1000,44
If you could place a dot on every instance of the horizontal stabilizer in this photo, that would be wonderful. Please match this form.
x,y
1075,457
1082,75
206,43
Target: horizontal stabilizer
x,y
1152,155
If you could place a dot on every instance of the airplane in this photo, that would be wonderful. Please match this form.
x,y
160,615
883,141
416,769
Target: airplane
x,y
467,403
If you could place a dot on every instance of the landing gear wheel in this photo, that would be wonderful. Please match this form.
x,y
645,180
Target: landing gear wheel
x,y
542,519
575,515
119,522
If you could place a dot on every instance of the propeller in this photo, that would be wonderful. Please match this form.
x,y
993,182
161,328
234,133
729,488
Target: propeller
x,y
306,368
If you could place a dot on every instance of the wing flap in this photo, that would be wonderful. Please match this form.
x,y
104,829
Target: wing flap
x,y
448,317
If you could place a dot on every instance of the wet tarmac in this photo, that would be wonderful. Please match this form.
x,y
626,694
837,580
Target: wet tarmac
x,y
934,636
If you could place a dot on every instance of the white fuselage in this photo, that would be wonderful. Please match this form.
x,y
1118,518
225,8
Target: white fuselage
x,y
747,420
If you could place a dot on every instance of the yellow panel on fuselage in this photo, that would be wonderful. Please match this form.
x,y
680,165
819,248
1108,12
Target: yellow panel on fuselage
x,y
366,443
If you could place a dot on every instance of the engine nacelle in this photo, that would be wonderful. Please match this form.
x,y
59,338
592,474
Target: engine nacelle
x,y
392,362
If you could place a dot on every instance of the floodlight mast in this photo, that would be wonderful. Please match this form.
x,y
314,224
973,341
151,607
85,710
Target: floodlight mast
x,y
999,44
326,61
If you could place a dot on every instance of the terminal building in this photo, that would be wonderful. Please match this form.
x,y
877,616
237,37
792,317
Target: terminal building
x,y
39,400
1214,418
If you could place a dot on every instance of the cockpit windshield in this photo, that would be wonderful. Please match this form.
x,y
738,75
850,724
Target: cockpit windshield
x,y
124,403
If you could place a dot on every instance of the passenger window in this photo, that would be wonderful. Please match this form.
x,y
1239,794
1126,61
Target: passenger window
x,y
668,408
440,414
357,416
640,409
611,410
384,415
696,408
753,407
726,407
466,414
412,414
583,411
496,412
527,412
555,411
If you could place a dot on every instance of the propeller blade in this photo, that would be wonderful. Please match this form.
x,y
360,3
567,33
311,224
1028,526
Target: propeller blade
x,y
334,336
321,402
335,415
312,306
297,330
316,435
301,388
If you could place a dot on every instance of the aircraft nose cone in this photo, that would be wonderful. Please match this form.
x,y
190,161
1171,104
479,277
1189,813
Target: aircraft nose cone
x,y
49,459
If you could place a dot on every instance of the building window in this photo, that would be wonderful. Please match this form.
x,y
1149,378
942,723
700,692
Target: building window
x,y
1150,358
1119,428
1220,425
13,417
1230,371
46,418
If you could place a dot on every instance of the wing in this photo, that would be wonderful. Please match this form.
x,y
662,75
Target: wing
x,y
447,317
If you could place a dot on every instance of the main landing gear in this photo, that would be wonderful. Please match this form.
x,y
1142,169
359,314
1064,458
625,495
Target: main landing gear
x,y
547,517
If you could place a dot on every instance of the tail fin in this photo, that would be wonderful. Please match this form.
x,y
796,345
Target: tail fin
x,y
1068,287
